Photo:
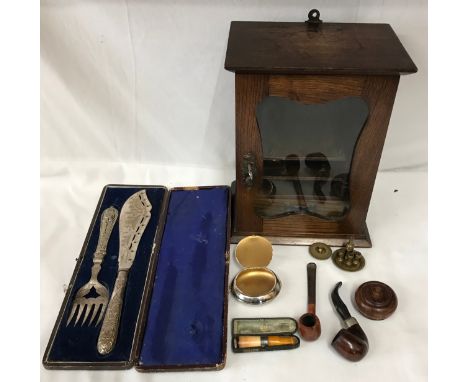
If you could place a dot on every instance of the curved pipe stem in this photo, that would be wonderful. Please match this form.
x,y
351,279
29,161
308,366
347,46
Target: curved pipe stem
x,y
311,287
340,306
293,164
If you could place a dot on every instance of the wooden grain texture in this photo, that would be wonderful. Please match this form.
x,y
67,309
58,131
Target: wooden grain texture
x,y
375,300
315,88
333,48
309,326
250,90
379,93
351,343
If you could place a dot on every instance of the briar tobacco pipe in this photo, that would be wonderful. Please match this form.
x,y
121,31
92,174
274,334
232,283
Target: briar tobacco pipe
x,y
351,342
340,187
309,323
320,167
293,164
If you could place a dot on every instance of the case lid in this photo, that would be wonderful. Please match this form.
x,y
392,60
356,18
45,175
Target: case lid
x,y
186,325
254,251
320,48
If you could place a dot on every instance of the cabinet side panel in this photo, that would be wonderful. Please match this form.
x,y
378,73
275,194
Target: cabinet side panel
x,y
379,92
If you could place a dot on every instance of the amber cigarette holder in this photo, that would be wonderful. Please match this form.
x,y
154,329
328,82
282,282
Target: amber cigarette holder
x,y
264,341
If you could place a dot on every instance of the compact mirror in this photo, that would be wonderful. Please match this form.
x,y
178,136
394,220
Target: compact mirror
x,y
255,284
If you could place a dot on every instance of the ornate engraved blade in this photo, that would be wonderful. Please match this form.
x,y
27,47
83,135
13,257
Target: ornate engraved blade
x,y
134,217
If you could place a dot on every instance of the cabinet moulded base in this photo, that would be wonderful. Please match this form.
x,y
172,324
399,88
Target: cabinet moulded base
x,y
361,240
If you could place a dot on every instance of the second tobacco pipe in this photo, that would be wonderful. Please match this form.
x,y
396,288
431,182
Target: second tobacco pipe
x,y
351,342
309,323
293,165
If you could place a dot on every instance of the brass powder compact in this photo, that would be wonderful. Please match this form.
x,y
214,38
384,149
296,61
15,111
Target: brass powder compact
x,y
255,284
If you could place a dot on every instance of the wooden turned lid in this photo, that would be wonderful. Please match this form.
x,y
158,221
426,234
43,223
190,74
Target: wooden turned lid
x,y
375,300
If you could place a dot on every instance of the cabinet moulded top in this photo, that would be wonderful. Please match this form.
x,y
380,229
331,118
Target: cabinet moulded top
x,y
327,48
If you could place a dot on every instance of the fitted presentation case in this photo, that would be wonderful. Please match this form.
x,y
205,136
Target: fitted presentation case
x,y
174,315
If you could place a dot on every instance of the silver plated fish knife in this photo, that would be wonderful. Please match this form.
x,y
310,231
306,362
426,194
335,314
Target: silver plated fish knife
x,y
134,217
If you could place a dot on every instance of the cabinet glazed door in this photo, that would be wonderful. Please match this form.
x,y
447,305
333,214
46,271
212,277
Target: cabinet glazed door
x,y
307,151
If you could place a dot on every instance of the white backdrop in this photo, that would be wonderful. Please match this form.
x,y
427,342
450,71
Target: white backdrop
x,y
136,92
144,81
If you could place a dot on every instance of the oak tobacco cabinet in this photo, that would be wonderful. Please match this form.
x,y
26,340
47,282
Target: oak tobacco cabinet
x,y
313,103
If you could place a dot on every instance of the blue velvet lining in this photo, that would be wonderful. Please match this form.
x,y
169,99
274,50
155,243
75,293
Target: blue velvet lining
x,y
185,319
78,343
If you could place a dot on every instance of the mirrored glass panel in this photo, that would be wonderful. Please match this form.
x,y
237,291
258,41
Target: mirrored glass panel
x,y
307,154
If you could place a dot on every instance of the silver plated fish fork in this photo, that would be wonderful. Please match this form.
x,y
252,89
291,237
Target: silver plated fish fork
x,y
83,304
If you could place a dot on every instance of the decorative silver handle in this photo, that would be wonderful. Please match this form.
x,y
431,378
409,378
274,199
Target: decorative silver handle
x,y
108,219
110,326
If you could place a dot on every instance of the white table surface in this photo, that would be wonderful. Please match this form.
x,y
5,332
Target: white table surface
x,y
397,223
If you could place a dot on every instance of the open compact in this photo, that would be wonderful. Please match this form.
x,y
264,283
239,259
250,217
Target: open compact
x,y
255,284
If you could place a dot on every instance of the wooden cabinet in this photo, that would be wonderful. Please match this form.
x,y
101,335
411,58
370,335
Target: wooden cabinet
x,y
313,103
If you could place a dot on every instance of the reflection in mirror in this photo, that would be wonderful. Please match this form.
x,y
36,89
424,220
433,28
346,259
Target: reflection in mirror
x,y
307,155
